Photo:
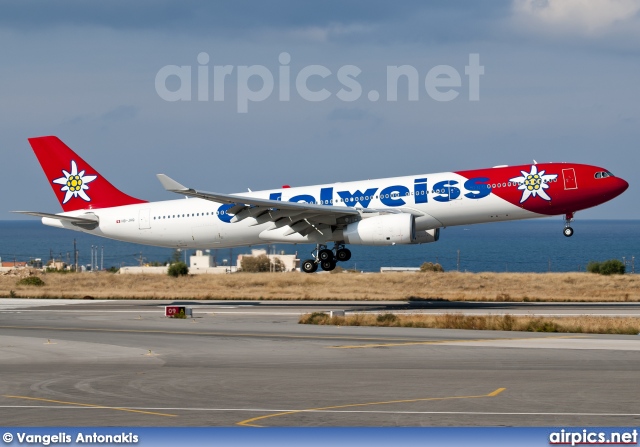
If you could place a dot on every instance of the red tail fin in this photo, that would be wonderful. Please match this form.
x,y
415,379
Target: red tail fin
x,y
76,184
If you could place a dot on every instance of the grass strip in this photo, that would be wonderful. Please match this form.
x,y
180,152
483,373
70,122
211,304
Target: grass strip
x,y
430,286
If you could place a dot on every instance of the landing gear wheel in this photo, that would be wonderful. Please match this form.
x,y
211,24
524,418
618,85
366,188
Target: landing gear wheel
x,y
343,255
568,231
309,266
325,255
328,265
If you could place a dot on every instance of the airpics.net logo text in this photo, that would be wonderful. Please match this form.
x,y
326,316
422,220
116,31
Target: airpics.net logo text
x,y
256,83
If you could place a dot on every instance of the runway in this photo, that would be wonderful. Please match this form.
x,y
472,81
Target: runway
x,y
97,363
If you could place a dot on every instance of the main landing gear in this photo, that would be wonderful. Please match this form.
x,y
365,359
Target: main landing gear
x,y
568,231
326,258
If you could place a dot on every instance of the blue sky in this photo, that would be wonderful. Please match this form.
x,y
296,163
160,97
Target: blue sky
x,y
560,83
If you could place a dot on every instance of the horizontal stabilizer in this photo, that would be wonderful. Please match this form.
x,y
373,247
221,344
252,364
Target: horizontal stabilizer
x,y
88,221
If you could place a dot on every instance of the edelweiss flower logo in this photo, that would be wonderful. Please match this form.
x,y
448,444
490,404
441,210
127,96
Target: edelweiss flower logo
x,y
534,183
75,183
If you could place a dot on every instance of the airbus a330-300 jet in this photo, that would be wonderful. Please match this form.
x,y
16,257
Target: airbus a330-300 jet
x,y
388,211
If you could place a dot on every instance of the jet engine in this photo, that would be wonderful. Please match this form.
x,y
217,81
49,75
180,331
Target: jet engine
x,y
387,229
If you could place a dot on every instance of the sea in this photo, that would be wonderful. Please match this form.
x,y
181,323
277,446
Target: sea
x,y
518,246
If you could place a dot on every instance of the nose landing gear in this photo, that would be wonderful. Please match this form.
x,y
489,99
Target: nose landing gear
x,y
326,258
568,231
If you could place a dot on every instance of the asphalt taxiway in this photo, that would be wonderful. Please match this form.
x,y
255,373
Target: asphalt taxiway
x,y
123,363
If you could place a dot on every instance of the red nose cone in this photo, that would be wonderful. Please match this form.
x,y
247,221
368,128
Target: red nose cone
x,y
621,186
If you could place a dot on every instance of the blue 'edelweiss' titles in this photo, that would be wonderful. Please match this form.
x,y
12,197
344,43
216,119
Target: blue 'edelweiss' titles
x,y
534,183
390,196
75,183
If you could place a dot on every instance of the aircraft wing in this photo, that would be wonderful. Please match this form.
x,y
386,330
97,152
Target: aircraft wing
x,y
301,217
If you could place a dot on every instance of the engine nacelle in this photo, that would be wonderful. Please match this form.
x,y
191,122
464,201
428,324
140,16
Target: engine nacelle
x,y
388,229
426,236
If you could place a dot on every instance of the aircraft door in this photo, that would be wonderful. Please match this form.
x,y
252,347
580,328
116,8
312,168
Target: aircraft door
x,y
569,176
144,219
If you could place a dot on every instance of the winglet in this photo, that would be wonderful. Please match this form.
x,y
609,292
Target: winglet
x,y
170,184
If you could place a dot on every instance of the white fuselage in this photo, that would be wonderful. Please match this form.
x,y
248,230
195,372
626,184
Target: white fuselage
x,y
435,200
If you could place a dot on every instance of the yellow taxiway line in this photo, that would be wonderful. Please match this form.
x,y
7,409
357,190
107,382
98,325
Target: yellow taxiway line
x,y
251,422
39,399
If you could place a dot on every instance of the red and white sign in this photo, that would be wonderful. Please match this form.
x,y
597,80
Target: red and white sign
x,y
174,311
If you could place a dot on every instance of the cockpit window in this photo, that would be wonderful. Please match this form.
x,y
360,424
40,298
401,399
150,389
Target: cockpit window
x,y
603,174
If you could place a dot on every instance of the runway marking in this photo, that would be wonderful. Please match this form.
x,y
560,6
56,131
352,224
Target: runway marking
x,y
267,410
437,342
130,410
223,334
250,422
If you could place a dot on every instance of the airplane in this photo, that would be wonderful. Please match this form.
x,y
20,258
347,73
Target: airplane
x,y
388,211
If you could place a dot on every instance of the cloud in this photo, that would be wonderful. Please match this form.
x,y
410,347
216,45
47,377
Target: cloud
x,y
121,113
331,20
192,15
590,17
118,114
329,32
341,113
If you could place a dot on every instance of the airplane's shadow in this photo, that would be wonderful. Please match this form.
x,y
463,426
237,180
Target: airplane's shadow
x,y
412,304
